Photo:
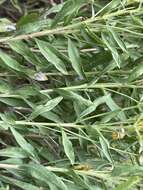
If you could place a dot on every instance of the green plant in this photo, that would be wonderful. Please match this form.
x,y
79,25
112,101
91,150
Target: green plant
x,y
71,96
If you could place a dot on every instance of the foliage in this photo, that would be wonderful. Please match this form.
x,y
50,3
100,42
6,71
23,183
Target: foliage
x,y
71,94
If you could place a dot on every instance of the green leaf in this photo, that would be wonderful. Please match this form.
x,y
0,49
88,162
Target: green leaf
x,y
132,181
52,187
26,19
73,96
18,183
13,152
113,106
111,46
69,9
127,169
59,54
21,48
94,105
41,109
112,65
12,63
62,13
51,56
12,101
54,9
68,148
75,58
5,87
14,161
52,116
42,174
79,181
117,39
109,116
7,121
112,5
105,147
23,143
137,72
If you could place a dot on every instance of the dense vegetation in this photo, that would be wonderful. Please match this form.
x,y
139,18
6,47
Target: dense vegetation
x,y
71,95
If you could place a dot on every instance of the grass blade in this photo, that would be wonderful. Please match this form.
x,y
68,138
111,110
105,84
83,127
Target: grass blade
x,y
51,56
68,148
75,58
129,183
41,109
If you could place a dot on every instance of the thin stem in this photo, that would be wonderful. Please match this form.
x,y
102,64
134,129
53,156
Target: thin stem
x,y
62,30
67,125
42,124
86,86
103,114
83,87
9,96
72,73
129,97
99,174
65,51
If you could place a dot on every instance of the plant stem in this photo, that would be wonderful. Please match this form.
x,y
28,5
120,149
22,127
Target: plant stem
x,y
99,174
65,51
68,125
83,87
72,73
89,73
86,86
62,30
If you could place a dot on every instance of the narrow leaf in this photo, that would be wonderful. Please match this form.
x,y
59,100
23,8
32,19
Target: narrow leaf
x,y
129,183
41,173
137,72
12,63
51,56
41,109
21,48
68,148
13,152
95,104
114,107
105,148
75,58
69,9
117,39
111,46
18,183
67,94
23,143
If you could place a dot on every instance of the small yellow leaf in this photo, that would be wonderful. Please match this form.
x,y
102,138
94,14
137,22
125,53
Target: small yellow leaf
x,y
83,167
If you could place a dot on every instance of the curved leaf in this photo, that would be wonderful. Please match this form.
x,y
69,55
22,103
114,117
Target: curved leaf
x,y
68,148
51,56
75,58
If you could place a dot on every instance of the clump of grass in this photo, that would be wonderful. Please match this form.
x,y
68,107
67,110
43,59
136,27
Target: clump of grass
x,y
71,95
